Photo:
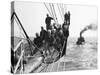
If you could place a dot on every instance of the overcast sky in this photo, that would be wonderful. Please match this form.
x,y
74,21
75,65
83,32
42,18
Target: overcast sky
x,y
32,15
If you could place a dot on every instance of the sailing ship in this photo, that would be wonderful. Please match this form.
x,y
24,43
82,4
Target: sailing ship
x,y
27,57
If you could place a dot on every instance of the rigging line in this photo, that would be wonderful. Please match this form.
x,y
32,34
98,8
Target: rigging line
x,y
12,18
22,27
65,8
59,11
17,23
48,9
28,39
62,9
19,27
54,12
51,10
12,15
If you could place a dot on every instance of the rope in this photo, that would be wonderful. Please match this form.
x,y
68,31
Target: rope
x,y
19,28
65,8
52,11
55,13
32,43
18,63
48,9
62,48
60,11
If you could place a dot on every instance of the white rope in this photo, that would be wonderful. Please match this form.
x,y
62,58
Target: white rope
x,y
19,61
48,9
52,11
55,13
18,45
60,11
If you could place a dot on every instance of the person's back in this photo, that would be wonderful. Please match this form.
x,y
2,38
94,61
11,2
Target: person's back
x,y
37,41
43,34
48,19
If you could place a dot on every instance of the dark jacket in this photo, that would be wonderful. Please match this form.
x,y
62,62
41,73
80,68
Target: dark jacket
x,y
38,41
65,31
43,34
48,22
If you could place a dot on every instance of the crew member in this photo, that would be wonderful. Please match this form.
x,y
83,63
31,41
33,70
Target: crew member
x,y
43,34
37,40
48,22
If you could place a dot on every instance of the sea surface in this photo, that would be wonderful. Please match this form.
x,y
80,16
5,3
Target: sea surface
x,y
83,57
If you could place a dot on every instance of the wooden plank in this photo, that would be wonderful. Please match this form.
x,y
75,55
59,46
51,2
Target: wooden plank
x,y
18,45
41,68
33,64
18,62
58,66
61,66
52,67
49,67
45,70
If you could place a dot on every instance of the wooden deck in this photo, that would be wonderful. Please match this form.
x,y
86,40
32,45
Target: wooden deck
x,y
76,59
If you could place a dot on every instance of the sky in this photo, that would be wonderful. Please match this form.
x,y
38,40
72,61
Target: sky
x,y
32,16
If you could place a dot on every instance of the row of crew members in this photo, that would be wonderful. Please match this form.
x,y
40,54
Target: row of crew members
x,y
66,20
52,37
65,26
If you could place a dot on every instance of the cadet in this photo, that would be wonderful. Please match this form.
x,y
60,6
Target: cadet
x,y
37,40
43,34
48,22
